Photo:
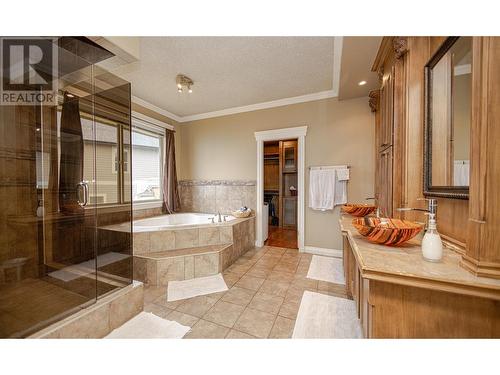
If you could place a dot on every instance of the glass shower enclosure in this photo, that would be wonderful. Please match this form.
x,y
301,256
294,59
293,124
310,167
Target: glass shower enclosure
x,y
64,177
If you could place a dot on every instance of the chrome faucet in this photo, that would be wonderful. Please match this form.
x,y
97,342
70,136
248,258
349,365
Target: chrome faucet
x,y
432,206
377,212
431,209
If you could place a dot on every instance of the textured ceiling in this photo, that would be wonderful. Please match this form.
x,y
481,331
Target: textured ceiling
x,y
229,71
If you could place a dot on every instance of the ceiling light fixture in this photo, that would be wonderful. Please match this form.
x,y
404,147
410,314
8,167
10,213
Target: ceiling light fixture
x,y
184,82
362,83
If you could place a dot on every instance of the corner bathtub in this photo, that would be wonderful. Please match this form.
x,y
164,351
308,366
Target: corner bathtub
x,y
177,220
186,245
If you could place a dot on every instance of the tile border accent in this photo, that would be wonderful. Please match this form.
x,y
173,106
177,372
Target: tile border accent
x,y
217,182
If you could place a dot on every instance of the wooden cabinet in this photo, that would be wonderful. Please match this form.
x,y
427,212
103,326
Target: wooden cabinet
x,y
289,156
390,305
387,111
357,288
471,225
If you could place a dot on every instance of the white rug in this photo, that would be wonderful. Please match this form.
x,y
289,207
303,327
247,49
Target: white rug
x,y
326,269
81,269
149,326
326,317
195,287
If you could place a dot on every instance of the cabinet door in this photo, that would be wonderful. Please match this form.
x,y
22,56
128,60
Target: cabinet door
x,y
289,156
289,212
386,111
385,182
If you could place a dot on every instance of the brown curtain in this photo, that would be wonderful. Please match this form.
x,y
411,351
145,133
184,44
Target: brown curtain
x,y
171,200
71,164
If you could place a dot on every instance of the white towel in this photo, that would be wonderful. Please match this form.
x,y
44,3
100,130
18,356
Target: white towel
x,y
343,174
341,186
322,189
461,173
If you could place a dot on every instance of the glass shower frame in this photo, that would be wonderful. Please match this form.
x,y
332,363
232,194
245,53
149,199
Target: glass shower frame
x,y
66,258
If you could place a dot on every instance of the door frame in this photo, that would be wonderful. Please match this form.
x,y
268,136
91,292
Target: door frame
x,y
298,132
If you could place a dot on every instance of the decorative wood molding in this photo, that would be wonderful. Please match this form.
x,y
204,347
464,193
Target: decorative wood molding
x,y
373,101
380,75
400,46
480,269
383,51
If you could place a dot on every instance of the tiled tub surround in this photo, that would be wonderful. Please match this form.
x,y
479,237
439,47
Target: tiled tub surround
x,y
182,264
222,196
240,232
181,253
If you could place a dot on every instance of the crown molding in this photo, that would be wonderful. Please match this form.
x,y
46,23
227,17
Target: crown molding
x,y
265,105
152,107
333,93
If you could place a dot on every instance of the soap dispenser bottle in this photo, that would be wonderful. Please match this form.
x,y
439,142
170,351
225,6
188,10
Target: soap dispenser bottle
x,y
432,246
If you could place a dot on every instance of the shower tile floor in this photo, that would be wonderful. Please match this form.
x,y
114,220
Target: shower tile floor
x,y
265,288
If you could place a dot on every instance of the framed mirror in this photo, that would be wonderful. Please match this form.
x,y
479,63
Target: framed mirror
x,y
448,104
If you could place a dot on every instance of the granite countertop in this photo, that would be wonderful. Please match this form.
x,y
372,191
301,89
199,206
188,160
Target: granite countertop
x,y
405,265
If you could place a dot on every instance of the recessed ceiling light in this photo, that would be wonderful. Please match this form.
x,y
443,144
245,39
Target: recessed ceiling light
x,y
362,83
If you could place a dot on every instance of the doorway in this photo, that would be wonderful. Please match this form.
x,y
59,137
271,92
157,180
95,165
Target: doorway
x,y
280,193
292,205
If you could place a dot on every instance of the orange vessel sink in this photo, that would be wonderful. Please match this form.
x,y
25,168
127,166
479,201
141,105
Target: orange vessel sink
x,y
391,232
358,210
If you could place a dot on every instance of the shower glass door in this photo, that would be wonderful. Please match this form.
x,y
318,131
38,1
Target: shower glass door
x,y
62,183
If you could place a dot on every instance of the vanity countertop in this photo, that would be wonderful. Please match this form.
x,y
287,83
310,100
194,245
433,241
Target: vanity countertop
x,y
405,265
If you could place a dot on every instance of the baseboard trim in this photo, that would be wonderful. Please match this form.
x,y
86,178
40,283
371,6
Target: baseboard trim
x,y
323,251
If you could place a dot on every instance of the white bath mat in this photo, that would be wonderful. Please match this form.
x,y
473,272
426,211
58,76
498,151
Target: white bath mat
x,y
195,287
326,269
149,326
326,317
81,269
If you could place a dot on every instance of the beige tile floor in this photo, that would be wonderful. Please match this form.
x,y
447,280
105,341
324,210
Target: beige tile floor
x,y
265,288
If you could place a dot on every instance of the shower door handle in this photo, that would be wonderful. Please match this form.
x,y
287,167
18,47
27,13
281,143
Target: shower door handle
x,y
85,187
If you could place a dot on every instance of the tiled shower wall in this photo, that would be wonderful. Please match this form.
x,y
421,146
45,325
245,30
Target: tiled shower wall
x,y
214,196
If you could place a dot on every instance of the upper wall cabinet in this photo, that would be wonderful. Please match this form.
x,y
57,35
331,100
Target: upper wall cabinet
x,y
289,156
448,103
387,109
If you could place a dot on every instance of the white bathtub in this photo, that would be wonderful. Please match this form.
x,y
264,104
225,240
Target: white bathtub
x,y
176,220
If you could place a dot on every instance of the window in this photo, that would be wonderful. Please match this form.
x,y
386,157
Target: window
x,y
103,142
102,149
115,161
147,159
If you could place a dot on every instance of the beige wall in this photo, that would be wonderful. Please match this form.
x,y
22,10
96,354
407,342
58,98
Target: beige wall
x,y
339,132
